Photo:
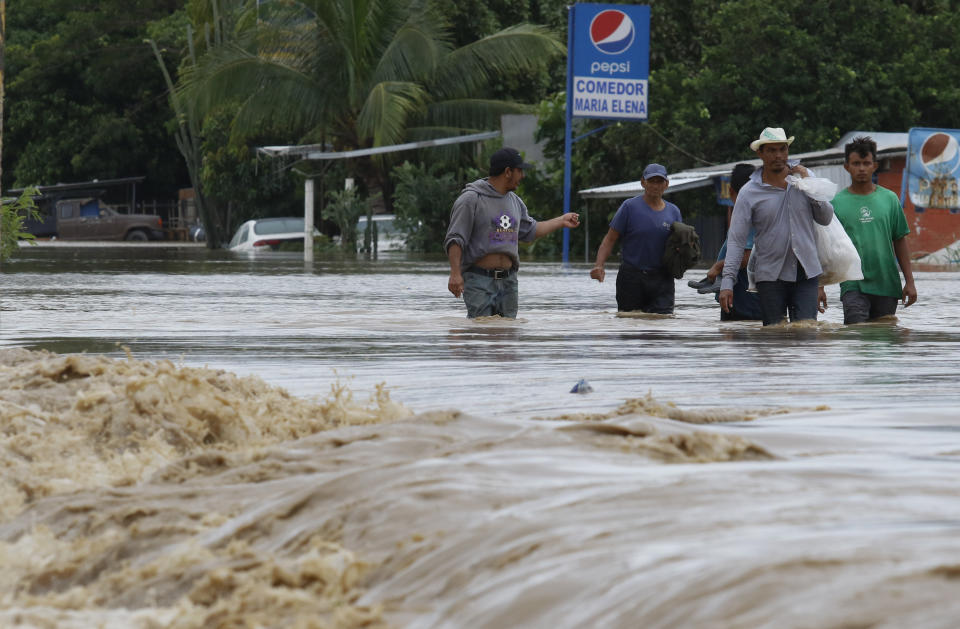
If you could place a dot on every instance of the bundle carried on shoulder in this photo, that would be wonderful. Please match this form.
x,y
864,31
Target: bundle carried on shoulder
x,y
682,250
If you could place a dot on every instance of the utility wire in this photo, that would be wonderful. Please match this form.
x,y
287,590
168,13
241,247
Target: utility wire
x,y
691,155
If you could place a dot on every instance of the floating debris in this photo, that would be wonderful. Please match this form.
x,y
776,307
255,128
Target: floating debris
x,y
582,387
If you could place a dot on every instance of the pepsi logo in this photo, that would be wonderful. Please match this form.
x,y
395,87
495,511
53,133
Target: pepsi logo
x,y
611,31
940,154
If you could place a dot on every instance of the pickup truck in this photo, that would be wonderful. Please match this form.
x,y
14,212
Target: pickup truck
x,y
90,219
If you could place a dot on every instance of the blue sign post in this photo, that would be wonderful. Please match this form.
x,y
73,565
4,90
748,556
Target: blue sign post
x,y
608,64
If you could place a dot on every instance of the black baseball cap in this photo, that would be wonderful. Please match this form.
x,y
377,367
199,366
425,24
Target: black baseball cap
x,y
506,158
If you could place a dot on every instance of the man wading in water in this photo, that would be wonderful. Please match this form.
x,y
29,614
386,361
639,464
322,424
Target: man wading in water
x,y
642,225
786,251
874,220
486,224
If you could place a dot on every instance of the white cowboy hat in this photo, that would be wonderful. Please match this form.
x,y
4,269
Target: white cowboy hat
x,y
771,135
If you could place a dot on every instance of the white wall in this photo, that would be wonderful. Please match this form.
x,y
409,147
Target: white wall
x,y
518,131
834,173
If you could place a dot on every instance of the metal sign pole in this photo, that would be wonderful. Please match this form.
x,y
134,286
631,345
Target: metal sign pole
x,y
568,127
608,63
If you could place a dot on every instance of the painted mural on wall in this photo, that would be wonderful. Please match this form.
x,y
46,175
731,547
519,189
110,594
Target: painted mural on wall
x,y
932,176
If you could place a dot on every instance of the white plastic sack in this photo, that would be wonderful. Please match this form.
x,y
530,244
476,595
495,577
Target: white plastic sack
x,y
838,256
817,188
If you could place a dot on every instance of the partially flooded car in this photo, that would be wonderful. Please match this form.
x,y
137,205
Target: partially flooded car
x,y
268,234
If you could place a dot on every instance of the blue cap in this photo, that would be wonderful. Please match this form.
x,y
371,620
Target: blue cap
x,y
655,170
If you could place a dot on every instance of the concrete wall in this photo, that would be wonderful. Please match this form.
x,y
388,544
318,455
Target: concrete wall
x,y
518,131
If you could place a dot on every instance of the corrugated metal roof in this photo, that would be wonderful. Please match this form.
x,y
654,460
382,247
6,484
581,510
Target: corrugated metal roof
x,y
678,181
889,144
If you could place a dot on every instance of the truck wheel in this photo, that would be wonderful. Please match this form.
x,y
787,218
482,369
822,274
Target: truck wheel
x,y
137,234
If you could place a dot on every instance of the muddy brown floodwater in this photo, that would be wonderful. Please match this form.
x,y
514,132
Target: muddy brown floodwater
x,y
193,439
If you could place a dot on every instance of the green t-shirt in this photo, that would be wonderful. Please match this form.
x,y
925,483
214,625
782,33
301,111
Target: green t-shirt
x,y
873,221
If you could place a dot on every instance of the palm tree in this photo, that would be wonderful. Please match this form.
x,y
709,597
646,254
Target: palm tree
x,y
352,74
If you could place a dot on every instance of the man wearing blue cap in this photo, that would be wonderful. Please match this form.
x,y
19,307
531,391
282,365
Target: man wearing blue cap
x,y
643,223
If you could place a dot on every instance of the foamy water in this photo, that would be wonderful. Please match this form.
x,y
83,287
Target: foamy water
x,y
337,446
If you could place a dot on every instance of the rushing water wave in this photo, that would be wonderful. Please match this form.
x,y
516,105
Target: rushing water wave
x,y
195,440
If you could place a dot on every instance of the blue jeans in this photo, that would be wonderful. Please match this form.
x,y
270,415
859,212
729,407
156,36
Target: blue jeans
x,y
486,296
780,298
746,305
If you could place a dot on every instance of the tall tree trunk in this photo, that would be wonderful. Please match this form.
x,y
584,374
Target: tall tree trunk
x,y
188,142
3,42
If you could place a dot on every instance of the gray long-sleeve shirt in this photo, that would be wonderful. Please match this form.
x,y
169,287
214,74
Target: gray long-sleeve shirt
x,y
783,219
484,221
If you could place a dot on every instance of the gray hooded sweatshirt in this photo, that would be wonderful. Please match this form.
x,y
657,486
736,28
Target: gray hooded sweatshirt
x,y
484,221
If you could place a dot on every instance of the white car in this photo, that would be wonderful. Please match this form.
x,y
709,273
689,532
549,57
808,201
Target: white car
x,y
267,234
388,237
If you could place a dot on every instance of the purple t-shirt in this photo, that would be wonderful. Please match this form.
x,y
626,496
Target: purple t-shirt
x,y
643,232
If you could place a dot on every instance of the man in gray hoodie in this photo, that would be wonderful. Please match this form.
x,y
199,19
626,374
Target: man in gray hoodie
x,y
486,224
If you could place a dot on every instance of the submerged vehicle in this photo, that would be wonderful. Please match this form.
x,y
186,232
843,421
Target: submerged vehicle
x,y
268,234
388,238
92,219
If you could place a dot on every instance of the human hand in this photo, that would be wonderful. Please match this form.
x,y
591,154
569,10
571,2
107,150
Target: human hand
x,y
570,219
715,270
726,299
598,273
799,170
909,294
455,284
821,299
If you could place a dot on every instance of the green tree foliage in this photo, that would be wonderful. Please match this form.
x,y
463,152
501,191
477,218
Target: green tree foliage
x,y
397,76
423,198
722,70
345,209
242,186
84,103
818,69
12,217
472,20
81,103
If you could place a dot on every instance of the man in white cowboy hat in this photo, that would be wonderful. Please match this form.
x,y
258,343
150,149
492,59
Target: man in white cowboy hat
x,y
785,247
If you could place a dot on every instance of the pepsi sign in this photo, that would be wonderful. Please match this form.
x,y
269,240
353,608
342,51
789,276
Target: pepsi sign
x,y
932,174
609,57
611,31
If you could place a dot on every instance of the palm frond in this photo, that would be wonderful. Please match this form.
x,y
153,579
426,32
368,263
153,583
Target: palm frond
x,y
520,49
413,55
383,118
266,87
471,113
286,103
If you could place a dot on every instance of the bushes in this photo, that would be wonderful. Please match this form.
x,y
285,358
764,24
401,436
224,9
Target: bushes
x,y
12,216
345,208
422,200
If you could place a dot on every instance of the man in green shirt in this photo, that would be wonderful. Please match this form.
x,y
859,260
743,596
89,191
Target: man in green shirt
x,y
874,220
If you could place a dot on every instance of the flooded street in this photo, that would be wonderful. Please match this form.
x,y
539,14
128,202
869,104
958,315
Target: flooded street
x,y
430,471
